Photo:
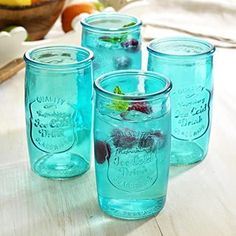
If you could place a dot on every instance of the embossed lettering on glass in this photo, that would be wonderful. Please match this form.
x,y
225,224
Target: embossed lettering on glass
x,y
188,62
132,142
58,94
115,40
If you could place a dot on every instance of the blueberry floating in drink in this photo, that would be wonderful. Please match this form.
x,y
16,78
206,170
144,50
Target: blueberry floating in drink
x,y
102,151
152,139
123,138
124,107
146,141
112,38
131,45
127,139
141,107
122,62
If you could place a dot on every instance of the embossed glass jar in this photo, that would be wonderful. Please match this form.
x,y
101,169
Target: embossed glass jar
x,y
58,105
188,62
115,39
132,142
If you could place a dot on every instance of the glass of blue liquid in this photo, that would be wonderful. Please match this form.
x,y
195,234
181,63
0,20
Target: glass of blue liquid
x,y
188,62
115,40
58,105
132,142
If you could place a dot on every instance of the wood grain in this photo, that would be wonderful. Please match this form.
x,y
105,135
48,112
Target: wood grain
x,y
36,19
11,69
201,198
31,205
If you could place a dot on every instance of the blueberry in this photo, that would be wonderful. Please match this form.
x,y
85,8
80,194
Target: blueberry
x,y
125,44
134,43
122,62
141,107
146,141
158,134
131,45
123,139
102,151
154,139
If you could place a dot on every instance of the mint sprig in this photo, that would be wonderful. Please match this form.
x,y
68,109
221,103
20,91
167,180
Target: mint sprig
x,y
117,90
129,24
115,39
119,104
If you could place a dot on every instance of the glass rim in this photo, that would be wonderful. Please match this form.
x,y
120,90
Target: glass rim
x,y
195,41
166,89
84,22
28,56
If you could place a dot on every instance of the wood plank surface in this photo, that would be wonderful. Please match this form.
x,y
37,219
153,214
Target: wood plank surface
x,y
201,199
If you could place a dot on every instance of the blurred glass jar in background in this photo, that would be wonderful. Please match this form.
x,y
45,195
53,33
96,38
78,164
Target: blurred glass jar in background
x,y
115,40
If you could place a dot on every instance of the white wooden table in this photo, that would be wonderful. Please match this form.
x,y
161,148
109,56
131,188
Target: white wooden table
x,y
201,199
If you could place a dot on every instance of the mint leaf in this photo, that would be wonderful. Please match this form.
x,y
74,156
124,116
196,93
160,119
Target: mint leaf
x,y
119,104
129,24
117,90
114,39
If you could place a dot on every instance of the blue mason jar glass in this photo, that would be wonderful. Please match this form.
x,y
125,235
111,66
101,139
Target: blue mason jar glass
x,y
132,133
115,40
58,105
188,62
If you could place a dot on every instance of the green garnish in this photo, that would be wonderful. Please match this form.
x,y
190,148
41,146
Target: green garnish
x,y
119,104
129,24
117,90
114,39
117,39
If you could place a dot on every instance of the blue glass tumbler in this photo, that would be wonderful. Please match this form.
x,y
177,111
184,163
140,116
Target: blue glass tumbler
x,y
58,105
115,40
188,62
132,142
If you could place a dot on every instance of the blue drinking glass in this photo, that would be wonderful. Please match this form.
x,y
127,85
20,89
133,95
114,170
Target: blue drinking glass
x,y
132,142
188,62
58,105
115,40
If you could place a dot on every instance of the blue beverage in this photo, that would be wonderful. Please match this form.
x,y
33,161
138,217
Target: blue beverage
x,y
132,143
58,108
115,40
188,62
